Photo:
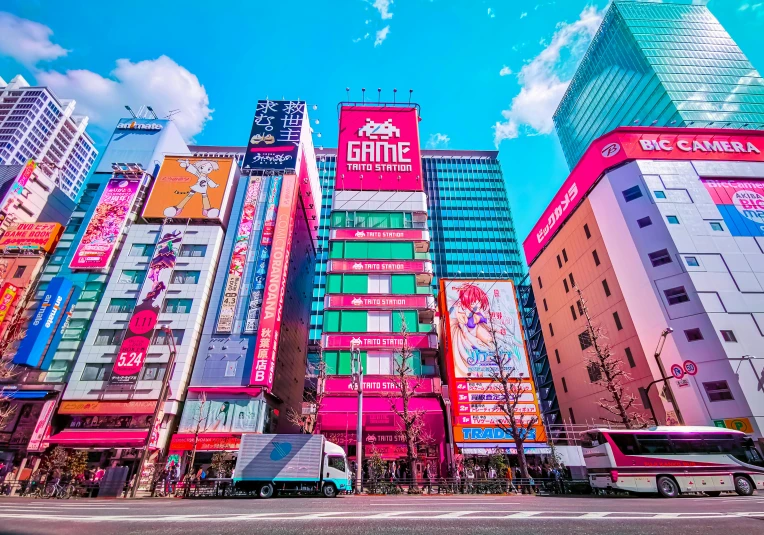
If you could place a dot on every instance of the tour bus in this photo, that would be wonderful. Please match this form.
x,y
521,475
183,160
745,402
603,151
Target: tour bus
x,y
673,460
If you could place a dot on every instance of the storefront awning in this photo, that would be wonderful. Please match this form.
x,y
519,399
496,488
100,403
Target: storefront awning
x,y
100,437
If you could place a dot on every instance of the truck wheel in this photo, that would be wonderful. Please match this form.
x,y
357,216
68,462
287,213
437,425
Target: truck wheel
x,y
743,486
668,487
330,491
266,491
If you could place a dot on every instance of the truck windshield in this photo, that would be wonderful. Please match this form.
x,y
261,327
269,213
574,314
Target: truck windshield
x,y
336,462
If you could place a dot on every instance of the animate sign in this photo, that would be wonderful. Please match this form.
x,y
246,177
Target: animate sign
x,y
134,125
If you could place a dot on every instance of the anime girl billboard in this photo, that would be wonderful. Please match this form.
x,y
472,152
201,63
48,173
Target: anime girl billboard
x,y
481,316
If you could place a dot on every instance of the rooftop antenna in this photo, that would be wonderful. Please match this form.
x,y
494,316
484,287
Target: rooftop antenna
x,y
379,95
128,108
151,111
394,92
410,91
347,90
171,114
363,95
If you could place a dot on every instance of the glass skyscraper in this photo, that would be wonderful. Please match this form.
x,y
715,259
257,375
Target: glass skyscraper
x,y
659,64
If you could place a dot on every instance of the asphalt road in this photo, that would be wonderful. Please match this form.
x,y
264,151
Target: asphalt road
x,y
410,515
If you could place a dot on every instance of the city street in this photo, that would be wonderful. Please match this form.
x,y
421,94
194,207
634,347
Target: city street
x,y
389,514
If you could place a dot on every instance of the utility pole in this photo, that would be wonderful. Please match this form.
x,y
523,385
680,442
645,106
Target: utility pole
x,y
357,371
658,350
160,405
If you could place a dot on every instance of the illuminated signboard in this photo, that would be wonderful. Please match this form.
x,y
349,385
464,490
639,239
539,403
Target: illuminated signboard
x,y
275,137
32,235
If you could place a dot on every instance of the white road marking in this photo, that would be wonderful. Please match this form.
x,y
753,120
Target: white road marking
x,y
419,504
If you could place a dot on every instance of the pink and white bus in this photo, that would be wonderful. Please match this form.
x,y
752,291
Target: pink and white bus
x,y
673,460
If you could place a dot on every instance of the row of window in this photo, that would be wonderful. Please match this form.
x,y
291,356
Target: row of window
x,y
112,337
102,372
186,250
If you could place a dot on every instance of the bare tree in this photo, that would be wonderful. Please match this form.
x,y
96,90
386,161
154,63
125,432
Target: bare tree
x,y
200,419
605,370
405,386
308,423
7,373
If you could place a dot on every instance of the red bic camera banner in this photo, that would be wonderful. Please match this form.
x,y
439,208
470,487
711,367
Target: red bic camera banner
x,y
741,203
132,352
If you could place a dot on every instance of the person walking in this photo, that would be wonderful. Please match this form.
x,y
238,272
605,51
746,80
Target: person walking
x,y
470,480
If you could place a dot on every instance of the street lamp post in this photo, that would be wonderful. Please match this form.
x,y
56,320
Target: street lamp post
x,y
357,371
658,350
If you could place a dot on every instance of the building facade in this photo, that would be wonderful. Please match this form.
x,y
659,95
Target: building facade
x,y
661,231
36,125
665,63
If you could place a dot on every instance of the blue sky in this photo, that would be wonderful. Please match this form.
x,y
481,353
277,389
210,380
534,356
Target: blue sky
x,y
484,72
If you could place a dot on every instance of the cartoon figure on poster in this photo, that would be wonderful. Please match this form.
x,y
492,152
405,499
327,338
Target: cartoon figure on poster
x,y
201,170
479,324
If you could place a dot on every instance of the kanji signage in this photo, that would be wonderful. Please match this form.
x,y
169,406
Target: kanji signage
x,y
275,137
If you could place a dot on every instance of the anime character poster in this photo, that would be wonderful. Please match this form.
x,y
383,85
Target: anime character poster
x,y
132,352
190,188
483,316
99,241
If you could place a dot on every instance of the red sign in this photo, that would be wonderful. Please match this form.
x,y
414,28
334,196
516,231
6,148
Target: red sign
x,y
378,149
378,266
269,329
205,442
635,143
380,341
386,235
690,367
376,384
374,302
7,297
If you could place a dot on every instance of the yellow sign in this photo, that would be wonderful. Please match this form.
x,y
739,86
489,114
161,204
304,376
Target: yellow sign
x,y
739,424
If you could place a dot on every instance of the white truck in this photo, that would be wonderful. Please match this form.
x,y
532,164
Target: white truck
x,y
287,464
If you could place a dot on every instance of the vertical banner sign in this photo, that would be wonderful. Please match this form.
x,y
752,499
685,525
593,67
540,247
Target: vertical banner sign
x,y
105,226
132,352
263,255
23,178
44,322
42,428
275,136
268,331
379,149
8,295
239,257
63,324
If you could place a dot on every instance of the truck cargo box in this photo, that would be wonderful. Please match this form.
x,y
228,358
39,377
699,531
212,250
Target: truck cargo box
x,y
279,457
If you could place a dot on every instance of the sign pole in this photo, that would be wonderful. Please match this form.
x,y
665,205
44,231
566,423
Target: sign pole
x,y
358,378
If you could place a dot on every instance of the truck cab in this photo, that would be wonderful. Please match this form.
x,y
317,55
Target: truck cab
x,y
336,473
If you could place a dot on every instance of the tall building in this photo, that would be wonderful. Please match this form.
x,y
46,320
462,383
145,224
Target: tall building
x,y
661,231
36,125
667,63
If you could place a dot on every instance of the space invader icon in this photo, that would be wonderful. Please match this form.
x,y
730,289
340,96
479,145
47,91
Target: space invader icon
x,y
382,131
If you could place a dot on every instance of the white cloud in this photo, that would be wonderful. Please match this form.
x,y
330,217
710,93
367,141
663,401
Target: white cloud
x,y
523,14
505,71
160,83
544,79
438,141
26,41
357,40
382,35
491,13
383,6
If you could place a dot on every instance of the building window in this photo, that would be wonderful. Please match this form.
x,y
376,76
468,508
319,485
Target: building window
x,y
185,277
677,295
585,339
19,271
572,282
644,222
693,335
573,312
606,287
586,231
595,372
142,249
96,372
572,418
559,261
644,397
632,194
630,358
564,385
161,338
718,391
596,257
153,372
716,226
580,308
617,319
557,355
729,336
565,283
379,363
546,308
692,261
565,255
192,250
120,306
177,306
672,219
540,285
551,330
108,337
380,284
132,276
659,258
660,194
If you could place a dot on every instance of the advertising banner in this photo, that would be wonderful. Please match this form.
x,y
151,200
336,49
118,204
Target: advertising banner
x,y
269,327
24,176
378,149
376,385
105,226
275,137
377,266
239,257
379,341
137,406
8,294
204,443
376,302
132,353
741,204
42,429
190,188
383,235
32,236
63,324
269,223
216,416
44,322
139,142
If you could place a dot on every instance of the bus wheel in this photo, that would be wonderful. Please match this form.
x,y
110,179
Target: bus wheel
x,y
266,491
743,486
330,491
668,487
713,493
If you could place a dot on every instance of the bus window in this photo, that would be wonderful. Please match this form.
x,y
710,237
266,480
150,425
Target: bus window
x,y
592,439
653,444
688,443
626,442
720,443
